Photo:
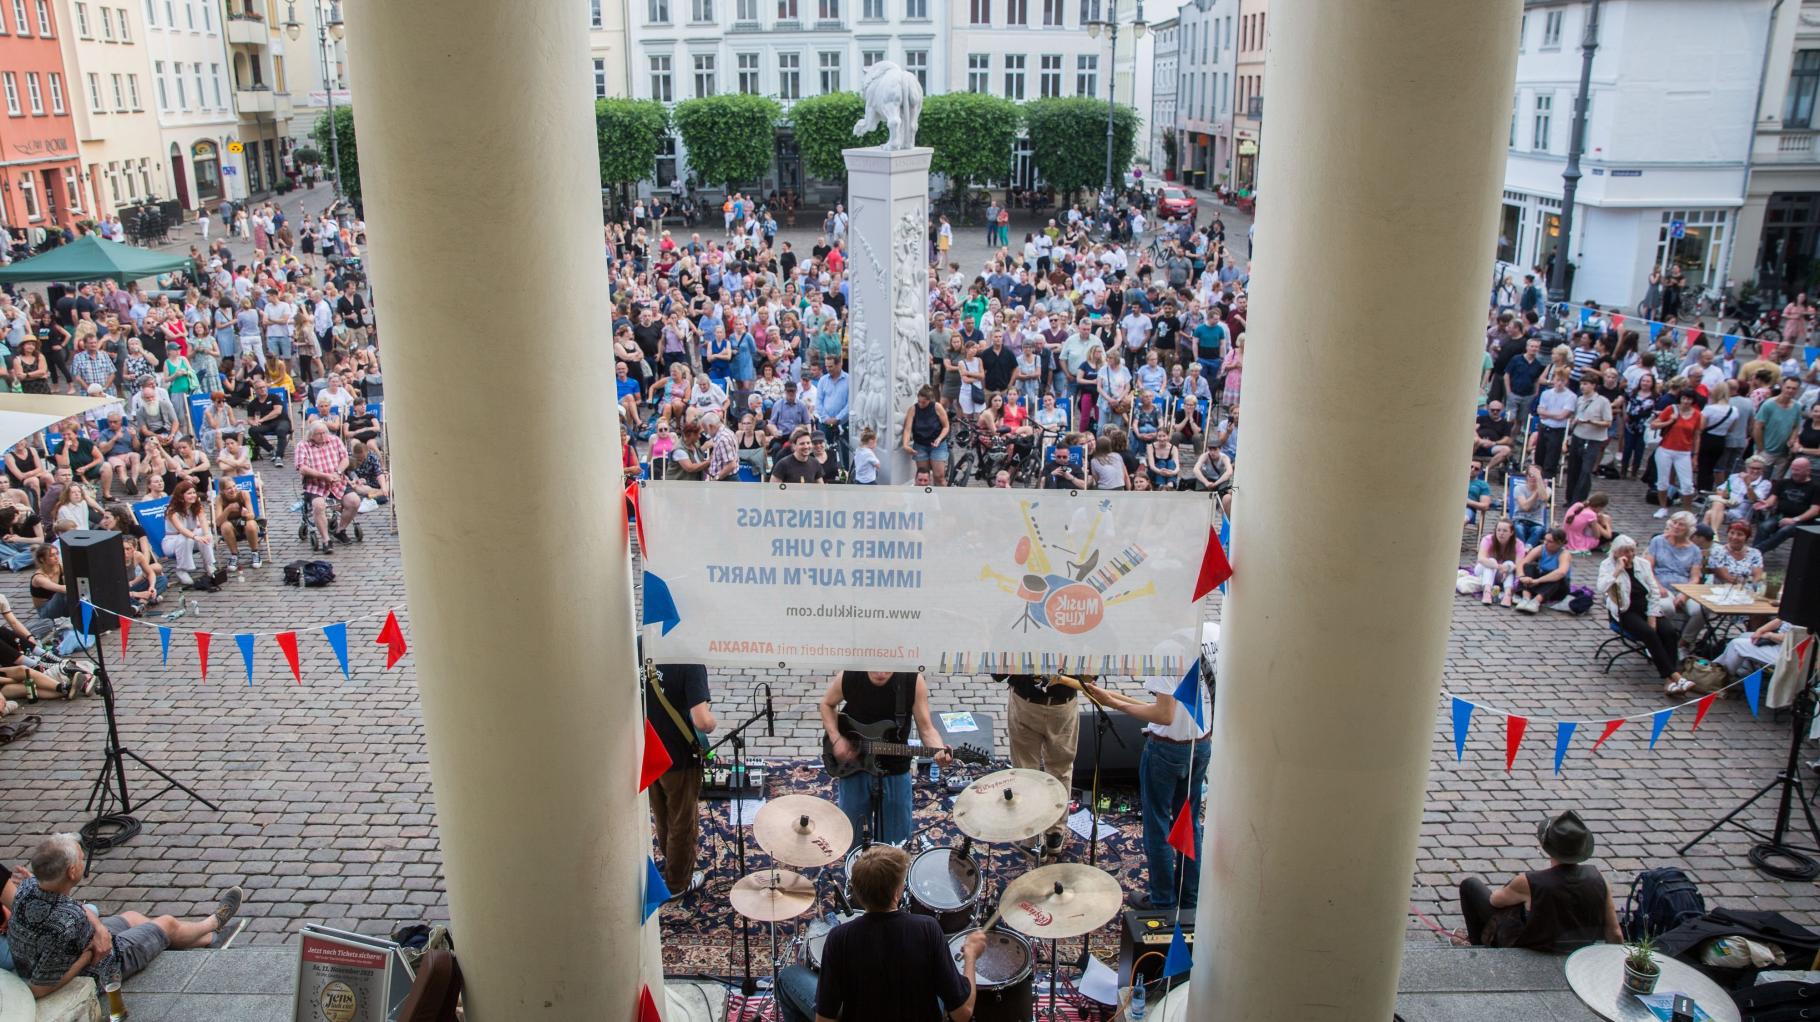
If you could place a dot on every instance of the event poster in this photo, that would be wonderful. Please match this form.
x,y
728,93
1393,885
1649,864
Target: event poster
x,y
950,580
341,980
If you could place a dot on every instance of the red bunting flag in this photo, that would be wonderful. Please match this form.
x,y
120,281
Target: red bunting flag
x,y
1215,569
287,641
1617,321
202,652
656,759
1705,703
392,638
1611,728
637,513
647,1008
1513,737
126,628
1693,336
1181,836
1803,646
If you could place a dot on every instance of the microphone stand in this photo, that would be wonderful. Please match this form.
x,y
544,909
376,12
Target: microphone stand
x,y
1102,726
736,737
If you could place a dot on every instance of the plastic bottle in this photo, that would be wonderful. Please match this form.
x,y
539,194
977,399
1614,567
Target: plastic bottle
x,y
1137,1010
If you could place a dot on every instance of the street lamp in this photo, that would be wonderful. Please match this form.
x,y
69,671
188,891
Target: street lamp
x,y
1110,24
325,31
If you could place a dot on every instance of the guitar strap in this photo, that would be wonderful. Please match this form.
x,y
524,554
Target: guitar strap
x,y
682,726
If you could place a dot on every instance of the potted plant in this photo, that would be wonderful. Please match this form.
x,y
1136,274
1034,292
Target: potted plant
x,y
1641,970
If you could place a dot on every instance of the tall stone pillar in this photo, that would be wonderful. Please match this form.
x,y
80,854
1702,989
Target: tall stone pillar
x,y
1389,153
888,266
480,171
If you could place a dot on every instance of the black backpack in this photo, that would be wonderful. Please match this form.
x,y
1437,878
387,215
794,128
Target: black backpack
x,y
309,574
1660,900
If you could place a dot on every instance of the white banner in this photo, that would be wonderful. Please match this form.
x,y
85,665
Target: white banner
x,y
949,580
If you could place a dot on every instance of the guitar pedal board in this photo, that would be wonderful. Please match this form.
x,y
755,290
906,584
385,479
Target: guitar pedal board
x,y
721,782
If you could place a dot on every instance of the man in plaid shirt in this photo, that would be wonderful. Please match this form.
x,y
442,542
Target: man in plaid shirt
x,y
94,367
322,460
723,447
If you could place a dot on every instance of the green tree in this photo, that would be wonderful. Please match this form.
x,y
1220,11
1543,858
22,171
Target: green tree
x,y
972,135
824,127
343,150
1068,141
631,132
729,138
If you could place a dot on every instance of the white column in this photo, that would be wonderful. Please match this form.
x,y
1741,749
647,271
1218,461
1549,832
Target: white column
x,y
481,177
888,266
1383,171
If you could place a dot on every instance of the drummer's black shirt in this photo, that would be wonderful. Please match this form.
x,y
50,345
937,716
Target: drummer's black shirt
x,y
889,967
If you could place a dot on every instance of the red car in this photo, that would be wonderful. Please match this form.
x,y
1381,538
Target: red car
x,y
1174,203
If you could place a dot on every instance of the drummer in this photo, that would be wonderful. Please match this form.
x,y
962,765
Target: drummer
x,y
1171,769
887,965
1043,728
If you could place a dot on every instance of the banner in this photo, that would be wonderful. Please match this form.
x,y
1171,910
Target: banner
x,y
950,580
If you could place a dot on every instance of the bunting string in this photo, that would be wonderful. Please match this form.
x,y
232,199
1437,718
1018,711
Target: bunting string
x,y
390,636
1690,332
90,608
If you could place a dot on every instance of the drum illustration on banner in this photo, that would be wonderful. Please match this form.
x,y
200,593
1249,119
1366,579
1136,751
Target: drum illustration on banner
x,y
958,581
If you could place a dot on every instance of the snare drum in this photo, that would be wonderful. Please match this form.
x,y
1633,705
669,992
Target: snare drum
x,y
944,883
817,941
1007,991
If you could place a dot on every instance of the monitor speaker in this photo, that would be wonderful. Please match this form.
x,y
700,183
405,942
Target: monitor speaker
x,y
1801,587
1119,762
94,569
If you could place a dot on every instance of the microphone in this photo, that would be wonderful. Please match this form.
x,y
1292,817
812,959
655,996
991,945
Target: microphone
x,y
770,714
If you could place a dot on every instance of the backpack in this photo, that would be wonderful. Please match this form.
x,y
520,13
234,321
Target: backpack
x,y
309,574
1579,600
1660,900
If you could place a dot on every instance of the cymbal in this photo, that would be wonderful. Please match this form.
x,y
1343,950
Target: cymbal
x,y
771,895
1089,897
802,830
1009,805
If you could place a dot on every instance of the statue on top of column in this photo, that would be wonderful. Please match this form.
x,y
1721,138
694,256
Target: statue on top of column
x,y
895,98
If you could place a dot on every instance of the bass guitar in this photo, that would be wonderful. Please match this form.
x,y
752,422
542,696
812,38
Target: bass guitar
x,y
881,740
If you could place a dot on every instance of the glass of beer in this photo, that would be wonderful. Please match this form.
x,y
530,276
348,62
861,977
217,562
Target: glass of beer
x,y
116,1005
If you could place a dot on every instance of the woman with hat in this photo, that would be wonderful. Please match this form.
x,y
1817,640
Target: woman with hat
x,y
1562,908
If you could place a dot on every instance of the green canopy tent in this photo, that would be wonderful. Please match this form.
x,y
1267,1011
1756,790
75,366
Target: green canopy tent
x,y
93,258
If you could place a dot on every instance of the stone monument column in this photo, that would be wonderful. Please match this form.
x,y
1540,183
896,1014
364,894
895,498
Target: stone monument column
x,y
888,314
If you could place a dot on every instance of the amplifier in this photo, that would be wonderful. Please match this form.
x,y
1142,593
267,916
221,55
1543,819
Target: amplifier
x,y
1144,943
722,782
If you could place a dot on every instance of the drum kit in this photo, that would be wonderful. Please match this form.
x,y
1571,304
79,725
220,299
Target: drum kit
x,y
1054,902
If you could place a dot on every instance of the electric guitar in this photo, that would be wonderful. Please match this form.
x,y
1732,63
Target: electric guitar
x,y
875,741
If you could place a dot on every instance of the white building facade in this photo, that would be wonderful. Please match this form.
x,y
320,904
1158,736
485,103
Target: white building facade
x,y
1778,232
315,62
607,47
1673,86
1204,68
194,99
1160,122
787,49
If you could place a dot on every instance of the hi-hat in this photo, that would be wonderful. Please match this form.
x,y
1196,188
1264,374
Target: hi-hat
x,y
803,831
771,895
1009,805
1062,900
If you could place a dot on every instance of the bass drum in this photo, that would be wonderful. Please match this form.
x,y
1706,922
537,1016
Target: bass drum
x,y
945,884
1007,990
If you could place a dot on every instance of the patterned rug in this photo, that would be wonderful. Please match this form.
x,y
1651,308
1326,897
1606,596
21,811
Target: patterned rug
x,y
702,935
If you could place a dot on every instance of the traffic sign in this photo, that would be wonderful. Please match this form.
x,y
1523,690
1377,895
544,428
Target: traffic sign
x,y
1677,228
236,147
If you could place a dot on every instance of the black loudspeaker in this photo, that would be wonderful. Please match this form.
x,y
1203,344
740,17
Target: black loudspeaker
x,y
1119,763
1144,943
94,569
1801,587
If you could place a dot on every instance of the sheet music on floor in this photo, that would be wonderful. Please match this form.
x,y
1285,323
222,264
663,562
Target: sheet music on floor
x,y
1081,822
745,811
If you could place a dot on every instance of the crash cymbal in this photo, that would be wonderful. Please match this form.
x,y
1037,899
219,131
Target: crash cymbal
x,y
771,895
1009,805
1062,900
803,831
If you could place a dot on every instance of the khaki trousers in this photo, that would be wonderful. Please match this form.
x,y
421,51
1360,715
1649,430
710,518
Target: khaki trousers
x,y
674,800
1043,737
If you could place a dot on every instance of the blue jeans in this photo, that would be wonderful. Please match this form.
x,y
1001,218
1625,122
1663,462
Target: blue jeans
x,y
1530,533
856,802
796,988
1164,780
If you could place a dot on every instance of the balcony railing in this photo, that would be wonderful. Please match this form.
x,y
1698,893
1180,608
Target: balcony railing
x,y
1787,146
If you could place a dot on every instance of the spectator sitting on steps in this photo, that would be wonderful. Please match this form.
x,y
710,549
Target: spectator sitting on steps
x,y
1562,908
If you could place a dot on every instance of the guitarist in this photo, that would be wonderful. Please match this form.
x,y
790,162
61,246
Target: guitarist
x,y
1043,726
871,697
677,706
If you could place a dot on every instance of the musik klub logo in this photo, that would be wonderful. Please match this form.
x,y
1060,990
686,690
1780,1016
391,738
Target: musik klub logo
x,y
1066,583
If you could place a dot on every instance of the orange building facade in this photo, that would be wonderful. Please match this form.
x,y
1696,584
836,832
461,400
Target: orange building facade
x,y
40,173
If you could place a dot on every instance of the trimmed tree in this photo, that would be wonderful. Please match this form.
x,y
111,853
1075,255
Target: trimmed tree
x,y
824,126
346,152
630,133
729,138
1068,141
972,135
